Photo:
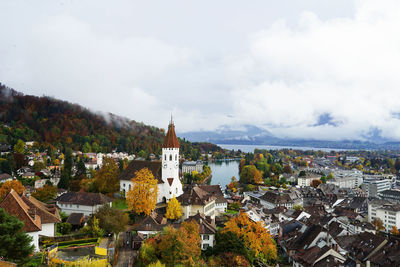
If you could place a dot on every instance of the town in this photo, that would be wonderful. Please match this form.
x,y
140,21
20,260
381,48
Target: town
x,y
287,207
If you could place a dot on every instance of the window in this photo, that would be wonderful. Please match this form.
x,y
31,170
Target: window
x,y
176,190
206,237
129,187
165,156
170,157
176,157
205,246
123,185
77,206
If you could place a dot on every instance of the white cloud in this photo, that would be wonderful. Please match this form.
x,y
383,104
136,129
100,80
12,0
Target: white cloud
x,y
263,64
344,67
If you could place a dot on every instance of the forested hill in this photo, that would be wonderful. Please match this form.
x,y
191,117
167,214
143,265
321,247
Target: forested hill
x,y
60,124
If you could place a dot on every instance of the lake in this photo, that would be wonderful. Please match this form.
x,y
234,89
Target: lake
x,y
250,148
222,172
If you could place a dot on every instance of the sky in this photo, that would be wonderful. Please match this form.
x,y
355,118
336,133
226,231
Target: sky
x,y
299,69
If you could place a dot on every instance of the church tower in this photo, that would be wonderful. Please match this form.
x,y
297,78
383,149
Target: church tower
x,y
172,185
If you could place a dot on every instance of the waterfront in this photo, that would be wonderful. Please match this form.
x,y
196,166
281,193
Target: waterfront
x,y
222,172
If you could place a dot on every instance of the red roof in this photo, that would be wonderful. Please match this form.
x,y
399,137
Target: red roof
x,y
170,140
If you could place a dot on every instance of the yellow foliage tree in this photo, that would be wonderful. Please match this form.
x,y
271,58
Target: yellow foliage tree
x,y
174,209
254,235
8,185
142,198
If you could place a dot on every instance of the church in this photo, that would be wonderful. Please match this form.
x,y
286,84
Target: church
x,y
165,171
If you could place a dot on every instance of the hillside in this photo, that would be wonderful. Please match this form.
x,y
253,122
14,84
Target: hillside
x,y
60,124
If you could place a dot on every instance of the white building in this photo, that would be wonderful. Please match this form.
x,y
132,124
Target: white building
x,y
306,180
166,171
82,202
191,166
374,186
389,214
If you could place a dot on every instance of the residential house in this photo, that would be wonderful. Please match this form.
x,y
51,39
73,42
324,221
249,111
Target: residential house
x,y
4,177
82,202
272,199
198,199
207,230
38,218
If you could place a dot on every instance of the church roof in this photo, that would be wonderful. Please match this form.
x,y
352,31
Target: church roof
x,y
137,165
170,139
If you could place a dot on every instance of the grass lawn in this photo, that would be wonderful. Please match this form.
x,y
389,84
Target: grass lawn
x,y
120,204
232,212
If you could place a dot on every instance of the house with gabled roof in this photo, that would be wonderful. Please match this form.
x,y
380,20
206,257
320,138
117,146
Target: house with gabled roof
x,y
38,218
207,229
196,199
82,202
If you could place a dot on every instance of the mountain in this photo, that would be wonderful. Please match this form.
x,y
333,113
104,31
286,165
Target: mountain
x,y
253,135
60,124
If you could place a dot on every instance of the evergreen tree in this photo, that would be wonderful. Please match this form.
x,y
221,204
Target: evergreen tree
x,y
80,170
66,171
15,244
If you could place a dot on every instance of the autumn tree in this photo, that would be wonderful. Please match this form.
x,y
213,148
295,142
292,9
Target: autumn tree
x,y
287,169
112,220
19,147
45,193
228,242
378,225
254,235
8,185
93,228
250,175
394,230
180,246
106,179
174,209
142,198
315,183
15,245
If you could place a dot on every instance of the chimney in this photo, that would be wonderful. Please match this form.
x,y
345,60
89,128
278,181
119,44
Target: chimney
x,y
368,264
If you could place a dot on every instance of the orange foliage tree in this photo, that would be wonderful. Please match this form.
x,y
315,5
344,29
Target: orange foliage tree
x,y
180,246
250,174
315,183
395,231
254,235
142,198
8,185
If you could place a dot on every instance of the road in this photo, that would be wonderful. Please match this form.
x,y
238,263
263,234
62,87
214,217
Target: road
x,y
126,254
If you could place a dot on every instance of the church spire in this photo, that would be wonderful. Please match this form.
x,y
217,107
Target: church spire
x,y
170,139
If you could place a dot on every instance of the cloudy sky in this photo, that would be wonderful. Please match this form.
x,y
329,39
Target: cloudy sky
x,y
306,68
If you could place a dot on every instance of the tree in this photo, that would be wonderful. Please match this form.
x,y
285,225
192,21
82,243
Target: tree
x,y
180,245
147,252
15,243
112,220
287,169
106,179
156,264
45,193
93,228
66,171
8,185
174,209
315,183
378,225
86,148
227,241
64,228
254,235
142,198
250,174
38,166
395,231
298,207
19,147
302,174
80,170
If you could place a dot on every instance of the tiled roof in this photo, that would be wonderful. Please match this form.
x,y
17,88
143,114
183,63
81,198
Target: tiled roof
x,y
14,205
83,198
170,140
196,195
214,190
137,165
152,222
206,224
47,213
